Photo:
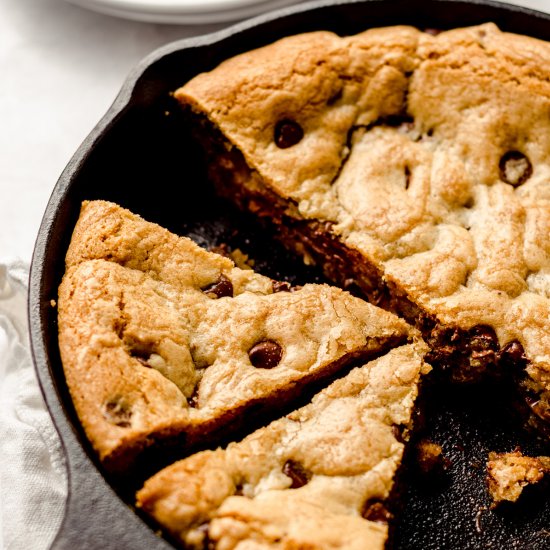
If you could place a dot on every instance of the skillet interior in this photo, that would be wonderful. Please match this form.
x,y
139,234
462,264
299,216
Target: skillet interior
x,y
142,156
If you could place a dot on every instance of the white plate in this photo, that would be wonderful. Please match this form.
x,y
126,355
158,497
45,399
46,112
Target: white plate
x,y
183,11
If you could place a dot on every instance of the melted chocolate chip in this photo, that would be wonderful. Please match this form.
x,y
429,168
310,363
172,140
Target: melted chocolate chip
x,y
397,431
296,472
287,133
515,168
280,286
483,348
375,510
483,337
266,354
513,355
221,288
118,413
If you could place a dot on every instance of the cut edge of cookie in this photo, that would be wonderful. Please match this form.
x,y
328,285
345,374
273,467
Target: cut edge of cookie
x,y
464,353
121,360
254,487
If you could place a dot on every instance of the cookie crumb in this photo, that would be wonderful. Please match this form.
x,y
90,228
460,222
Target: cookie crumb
x,y
242,260
430,457
509,473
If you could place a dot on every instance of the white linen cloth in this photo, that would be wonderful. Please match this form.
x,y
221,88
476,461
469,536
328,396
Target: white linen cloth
x,y
32,477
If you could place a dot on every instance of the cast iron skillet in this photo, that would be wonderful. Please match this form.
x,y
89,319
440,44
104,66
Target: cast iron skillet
x,y
141,156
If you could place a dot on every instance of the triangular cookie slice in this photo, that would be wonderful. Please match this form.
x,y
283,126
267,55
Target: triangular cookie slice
x,y
162,341
404,163
318,478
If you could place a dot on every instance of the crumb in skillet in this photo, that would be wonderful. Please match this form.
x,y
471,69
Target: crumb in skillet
x,y
430,457
509,473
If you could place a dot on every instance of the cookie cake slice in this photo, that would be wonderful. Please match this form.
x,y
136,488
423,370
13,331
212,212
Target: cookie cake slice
x,y
412,166
319,478
164,343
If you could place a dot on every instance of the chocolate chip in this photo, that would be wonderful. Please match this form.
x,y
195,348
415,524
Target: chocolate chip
x,y
513,355
287,133
118,413
433,32
280,286
375,510
483,347
515,168
483,337
296,472
266,354
221,288
397,431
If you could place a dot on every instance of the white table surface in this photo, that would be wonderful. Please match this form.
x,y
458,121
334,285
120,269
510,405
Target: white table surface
x,y
61,66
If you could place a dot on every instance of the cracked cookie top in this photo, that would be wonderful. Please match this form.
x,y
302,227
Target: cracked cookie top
x,y
317,478
160,338
429,154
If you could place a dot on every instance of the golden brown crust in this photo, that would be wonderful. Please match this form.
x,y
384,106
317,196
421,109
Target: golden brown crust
x,y
453,205
247,95
148,354
306,479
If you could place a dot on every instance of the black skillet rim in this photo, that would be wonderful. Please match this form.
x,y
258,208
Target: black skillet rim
x,y
96,517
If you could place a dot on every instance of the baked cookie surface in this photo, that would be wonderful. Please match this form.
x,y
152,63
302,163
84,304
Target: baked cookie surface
x,y
317,478
413,166
162,341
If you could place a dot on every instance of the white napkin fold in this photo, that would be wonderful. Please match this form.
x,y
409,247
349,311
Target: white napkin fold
x,y
33,479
